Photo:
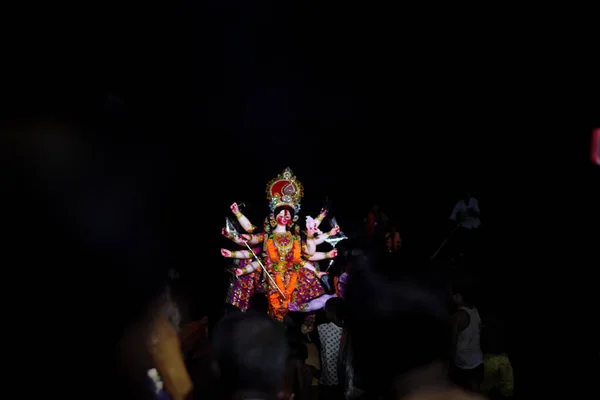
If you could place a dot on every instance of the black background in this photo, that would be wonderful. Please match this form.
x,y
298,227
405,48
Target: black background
x,y
402,107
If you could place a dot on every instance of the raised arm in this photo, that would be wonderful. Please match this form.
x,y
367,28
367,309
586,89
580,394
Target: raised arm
x,y
320,217
321,255
240,254
244,222
321,238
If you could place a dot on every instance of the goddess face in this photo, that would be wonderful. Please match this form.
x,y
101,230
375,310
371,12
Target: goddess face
x,y
284,217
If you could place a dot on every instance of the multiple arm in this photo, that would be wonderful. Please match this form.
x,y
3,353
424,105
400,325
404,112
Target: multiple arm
x,y
244,222
243,254
245,238
310,253
312,242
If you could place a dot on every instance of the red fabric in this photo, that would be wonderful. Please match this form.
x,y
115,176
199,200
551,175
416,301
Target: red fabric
x,y
277,188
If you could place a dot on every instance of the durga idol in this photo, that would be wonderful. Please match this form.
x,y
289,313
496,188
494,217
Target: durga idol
x,y
295,284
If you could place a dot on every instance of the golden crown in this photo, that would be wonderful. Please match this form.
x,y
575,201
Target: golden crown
x,y
285,190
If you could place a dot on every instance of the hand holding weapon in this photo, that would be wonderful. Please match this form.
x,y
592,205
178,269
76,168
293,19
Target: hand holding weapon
x,y
334,240
233,232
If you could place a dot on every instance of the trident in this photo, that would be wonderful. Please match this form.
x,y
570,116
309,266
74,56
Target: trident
x,y
230,228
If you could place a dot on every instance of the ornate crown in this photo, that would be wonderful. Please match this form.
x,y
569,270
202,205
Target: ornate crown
x,y
285,190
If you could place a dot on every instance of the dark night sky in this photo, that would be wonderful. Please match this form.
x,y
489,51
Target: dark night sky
x,y
402,112
215,98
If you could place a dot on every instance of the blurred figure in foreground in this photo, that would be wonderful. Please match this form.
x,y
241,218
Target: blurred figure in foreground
x,y
401,337
251,356
330,338
86,227
299,374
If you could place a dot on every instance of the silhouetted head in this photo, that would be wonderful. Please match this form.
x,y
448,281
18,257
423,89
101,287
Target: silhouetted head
x,y
250,354
89,208
259,303
467,194
397,327
464,292
334,311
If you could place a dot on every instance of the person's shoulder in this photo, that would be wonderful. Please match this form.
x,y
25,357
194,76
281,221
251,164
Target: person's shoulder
x,y
460,313
461,318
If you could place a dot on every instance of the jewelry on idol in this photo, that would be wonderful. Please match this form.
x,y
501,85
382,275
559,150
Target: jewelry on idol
x,y
285,190
272,220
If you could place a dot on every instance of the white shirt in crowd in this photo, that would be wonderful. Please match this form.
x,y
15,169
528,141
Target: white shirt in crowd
x,y
461,213
468,346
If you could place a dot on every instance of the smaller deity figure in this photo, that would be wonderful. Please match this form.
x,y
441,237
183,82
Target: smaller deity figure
x,y
312,228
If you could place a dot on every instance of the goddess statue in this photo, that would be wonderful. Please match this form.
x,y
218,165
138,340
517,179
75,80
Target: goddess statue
x,y
287,258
